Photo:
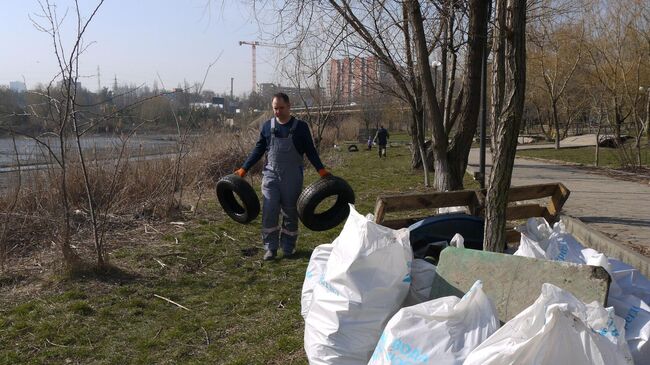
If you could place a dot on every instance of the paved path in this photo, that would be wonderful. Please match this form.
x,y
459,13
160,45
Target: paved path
x,y
620,209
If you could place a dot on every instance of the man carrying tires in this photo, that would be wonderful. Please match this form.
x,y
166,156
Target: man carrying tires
x,y
285,140
382,140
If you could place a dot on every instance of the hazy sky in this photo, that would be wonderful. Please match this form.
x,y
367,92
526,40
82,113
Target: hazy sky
x,y
137,39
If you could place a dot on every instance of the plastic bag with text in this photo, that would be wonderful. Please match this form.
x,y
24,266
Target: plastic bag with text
x,y
365,282
629,291
557,329
440,331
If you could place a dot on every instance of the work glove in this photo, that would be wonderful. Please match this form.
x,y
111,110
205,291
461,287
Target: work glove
x,y
241,172
324,173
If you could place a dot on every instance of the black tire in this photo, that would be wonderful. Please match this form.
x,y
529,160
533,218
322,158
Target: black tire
x,y
230,185
315,193
353,148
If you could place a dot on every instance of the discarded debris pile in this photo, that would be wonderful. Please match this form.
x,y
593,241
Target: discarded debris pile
x,y
367,300
629,291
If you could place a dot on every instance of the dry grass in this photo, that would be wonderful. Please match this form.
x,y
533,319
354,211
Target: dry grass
x,y
130,187
347,130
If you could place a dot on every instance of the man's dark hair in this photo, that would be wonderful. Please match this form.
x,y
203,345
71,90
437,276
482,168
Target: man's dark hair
x,y
282,96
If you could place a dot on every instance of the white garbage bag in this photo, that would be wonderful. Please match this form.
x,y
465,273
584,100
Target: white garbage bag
x,y
636,314
629,291
440,331
457,241
628,280
314,273
557,329
422,275
366,280
540,242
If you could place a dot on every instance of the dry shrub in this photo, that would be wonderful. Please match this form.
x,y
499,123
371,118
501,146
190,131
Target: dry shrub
x,y
346,130
32,214
29,215
349,129
217,153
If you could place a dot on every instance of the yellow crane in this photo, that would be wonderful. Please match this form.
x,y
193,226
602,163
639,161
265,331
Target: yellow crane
x,y
254,45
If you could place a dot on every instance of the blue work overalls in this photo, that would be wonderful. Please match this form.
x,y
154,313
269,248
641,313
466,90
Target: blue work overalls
x,y
281,185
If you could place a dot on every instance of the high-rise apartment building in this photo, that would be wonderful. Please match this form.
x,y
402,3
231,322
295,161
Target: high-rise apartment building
x,y
353,79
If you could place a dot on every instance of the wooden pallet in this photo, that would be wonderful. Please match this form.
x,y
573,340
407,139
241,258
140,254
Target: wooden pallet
x,y
474,202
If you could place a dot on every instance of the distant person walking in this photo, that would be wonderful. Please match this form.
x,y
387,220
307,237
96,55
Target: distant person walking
x,y
382,140
285,140
369,143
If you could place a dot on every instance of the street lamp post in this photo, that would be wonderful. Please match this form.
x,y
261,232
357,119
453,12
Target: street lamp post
x,y
435,64
483,116
646,89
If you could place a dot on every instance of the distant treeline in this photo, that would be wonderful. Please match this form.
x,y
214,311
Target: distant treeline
x,y
121,109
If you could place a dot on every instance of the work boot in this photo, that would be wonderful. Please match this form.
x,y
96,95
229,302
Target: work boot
x,y
270,255
288,254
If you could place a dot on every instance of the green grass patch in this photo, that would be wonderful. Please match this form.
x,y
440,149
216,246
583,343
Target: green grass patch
x,y
242,310
608,157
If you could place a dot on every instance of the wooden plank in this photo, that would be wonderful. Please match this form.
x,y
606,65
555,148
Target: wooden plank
x,y
524,211
379,210
530,192
401,222
477,204
512,235
558,199
401,202
551,219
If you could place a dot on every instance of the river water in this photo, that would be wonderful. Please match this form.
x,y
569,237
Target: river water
x,y
27,154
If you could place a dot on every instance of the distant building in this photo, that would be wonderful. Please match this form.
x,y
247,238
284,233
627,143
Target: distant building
x,y
202,105
219,101
267,90
352,79
214,103
17,86
77,84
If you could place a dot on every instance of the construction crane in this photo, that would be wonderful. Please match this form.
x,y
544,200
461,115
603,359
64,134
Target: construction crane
x,y
254,45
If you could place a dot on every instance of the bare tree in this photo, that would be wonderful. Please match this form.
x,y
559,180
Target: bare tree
x,y
63,111
402,45
553,57
304,69
508,92
619,51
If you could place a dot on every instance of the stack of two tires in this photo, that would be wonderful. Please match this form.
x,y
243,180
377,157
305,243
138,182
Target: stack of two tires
x,y
231,187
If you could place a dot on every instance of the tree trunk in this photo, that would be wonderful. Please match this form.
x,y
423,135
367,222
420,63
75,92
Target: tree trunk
x,y
556,125
647,118
415,142
450,162
462,141
431,107
508,92
419,138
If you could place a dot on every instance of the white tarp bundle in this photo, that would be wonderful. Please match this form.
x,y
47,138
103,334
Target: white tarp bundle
x,y
557,329
365,281
440,331
629,291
